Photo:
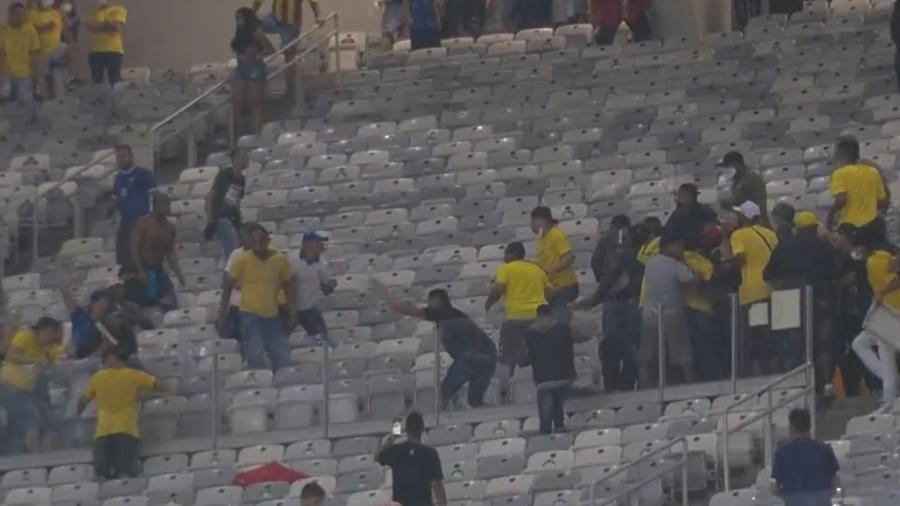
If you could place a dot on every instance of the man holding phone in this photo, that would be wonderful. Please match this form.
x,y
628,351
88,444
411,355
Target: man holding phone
x,y
416,468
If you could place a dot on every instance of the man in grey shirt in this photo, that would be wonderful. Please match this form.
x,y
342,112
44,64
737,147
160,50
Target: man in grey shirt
x,y
314,281
665,277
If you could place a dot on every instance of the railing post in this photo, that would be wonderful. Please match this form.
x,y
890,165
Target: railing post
x,y
437,379
337,50
35,227
661,366
809,329
767,432
215,399
735,322
326,405
725,467
684,473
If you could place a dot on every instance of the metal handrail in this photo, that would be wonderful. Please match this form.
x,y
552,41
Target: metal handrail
x,y
333,17
643,459
768,386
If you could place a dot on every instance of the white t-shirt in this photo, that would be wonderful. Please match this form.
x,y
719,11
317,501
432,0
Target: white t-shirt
x,y
235,292
309,280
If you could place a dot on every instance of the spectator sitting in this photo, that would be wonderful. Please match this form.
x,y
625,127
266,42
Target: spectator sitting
x,y
152,243
418,479
312,494
20,47
858,188
25,384
115,391
747,246
550,350
474,354
804,471
523,287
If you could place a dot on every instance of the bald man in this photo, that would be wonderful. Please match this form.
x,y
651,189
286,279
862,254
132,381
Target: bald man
x,y
152,242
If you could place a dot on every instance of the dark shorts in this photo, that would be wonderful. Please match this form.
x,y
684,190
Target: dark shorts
x,y
512,343
27,409
251,69
422,38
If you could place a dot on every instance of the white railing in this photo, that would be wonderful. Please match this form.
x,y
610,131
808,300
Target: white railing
x,y
649,459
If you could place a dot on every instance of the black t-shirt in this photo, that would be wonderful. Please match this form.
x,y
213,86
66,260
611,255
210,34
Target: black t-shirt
x,y
459,334
414,466
228,190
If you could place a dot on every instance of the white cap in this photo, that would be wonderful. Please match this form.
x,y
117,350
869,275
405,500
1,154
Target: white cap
x,y
748,209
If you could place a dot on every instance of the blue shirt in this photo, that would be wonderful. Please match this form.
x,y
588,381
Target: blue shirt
x,y
804,469
85,335
132,188
422,14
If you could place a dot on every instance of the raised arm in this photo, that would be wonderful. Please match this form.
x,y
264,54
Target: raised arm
x,y
406,308
496,293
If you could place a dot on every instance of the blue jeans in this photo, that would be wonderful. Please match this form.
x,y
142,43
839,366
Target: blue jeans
x,y
20,89
563,296
285,31
706,341
314,324
618,355
476,370
261,335
227,236
550,408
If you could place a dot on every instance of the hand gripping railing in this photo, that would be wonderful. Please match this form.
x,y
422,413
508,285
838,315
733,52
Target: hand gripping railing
x,y
648,457
192,106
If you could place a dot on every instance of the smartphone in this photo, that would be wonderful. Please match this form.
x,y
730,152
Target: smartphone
x,y
397,428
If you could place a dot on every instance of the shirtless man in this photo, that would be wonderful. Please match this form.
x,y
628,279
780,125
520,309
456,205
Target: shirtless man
x,y
152,241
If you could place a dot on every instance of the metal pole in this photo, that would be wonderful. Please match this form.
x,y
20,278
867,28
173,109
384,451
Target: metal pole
x,y
809,323
215,399
684,474
767,432
726,468
661,365
337,51
326,405
437,379
192,147
35,224
735,321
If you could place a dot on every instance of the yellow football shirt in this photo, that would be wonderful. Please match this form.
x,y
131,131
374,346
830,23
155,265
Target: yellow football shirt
x,y
23,377
18,45
878,271
551,246
703,269
260,281
755,243
647,251
864,189
51,38
525,285
108,42
116,394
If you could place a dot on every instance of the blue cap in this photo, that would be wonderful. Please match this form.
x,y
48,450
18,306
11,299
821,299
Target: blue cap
x,y
314,236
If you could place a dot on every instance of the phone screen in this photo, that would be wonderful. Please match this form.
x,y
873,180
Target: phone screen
x,y
397,429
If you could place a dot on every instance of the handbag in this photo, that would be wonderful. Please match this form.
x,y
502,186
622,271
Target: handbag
x,y
883,322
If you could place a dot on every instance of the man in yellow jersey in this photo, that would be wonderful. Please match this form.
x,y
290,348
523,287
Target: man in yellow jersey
x,y
48,22
286,20
554,255
107,50
116,392
31,350
20,51
523,286
747,246
263,274
857,188
869,245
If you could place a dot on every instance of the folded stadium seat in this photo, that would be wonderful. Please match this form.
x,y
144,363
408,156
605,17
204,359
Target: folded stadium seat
x,y
174,487
218,496
389,394
76,494
314,467
123,487
160,418
547,461
869,424
740,497
501,440
268,491
355,463
165,464
129,500
359,481
73,473
23,478
465,492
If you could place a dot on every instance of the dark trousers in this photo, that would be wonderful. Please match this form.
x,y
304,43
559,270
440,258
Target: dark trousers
x,y
706,341
313,323
123,246
757,352
476,370
551,412
534,13
618,355
115,456
106,67
743,11
423,38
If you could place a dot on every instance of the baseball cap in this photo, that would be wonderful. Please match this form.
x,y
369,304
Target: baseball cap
x,y
314,236
806,219
731,159
748,209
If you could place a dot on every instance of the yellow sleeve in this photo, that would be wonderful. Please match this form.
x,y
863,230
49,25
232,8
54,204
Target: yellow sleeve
x,y
699,265
501,277
34,40
143,380
738,246
837,185
237,267
20,340
118,14
648,250
546,279
881,192
560,242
